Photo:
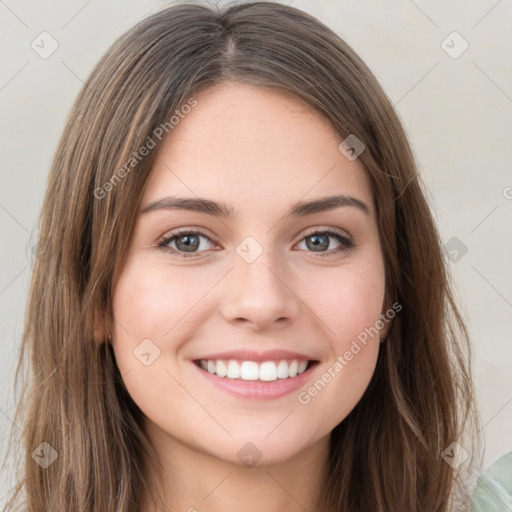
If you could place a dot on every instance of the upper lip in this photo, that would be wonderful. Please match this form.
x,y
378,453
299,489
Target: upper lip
x,y
251,355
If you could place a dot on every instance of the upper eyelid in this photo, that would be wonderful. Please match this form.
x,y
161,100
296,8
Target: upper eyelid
x,y
182,232
339,231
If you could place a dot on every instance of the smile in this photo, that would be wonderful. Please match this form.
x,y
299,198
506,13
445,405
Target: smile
x,y
263,380
266,371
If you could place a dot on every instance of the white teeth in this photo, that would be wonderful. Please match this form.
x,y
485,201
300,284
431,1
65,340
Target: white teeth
x,y
221,370
302,367
268,371
282,370
233,370
250,370
292,369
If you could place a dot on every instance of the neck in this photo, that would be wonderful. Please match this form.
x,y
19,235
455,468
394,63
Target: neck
x,y
196,481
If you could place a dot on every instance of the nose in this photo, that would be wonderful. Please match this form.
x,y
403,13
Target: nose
x,y
260,294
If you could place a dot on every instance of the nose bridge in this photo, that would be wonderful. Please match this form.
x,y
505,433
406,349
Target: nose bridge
x,y
260,293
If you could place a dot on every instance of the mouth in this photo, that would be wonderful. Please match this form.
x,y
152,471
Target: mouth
x,y
256,371
256,380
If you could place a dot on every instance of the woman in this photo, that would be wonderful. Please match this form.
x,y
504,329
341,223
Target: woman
x,y
240,297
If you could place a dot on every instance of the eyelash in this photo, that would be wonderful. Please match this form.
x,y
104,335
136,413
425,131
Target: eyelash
x,y
346,244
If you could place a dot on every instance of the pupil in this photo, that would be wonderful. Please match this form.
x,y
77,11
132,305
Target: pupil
x,y
190,243
317,243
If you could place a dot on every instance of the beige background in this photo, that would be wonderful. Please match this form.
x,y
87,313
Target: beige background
x,y
457,111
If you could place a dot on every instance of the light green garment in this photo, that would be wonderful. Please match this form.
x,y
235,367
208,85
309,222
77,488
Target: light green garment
x,y
493,491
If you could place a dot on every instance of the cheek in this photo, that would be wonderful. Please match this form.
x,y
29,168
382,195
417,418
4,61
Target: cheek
x,y
349,302
350,307
146,306
149,301
150,307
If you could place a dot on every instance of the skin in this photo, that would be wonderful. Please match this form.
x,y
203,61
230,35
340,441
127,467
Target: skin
x,y
259,151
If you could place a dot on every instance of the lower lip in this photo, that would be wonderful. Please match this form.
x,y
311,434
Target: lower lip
x,y
258,389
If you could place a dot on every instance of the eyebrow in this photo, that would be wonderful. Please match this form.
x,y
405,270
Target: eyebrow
x,y
209,207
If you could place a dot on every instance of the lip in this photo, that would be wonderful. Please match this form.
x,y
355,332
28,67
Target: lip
x,y
257,389
258,357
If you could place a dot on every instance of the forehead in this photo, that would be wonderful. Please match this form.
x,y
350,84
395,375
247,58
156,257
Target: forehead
x,y
244,142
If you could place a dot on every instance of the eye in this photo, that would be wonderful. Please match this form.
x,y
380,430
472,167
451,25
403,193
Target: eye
x,y
185,243
318,241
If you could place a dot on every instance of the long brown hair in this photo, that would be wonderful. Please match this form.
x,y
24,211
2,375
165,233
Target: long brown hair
x,y
387,454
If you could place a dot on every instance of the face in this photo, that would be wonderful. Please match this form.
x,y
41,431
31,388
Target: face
x,y
260,287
